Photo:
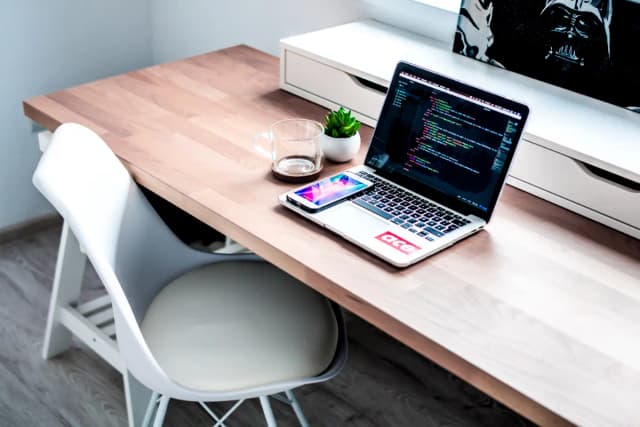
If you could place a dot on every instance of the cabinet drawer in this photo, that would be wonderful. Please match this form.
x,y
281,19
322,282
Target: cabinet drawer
x,y
603,193
333,85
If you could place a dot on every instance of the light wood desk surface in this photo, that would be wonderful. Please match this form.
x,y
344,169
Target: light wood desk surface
x,y
541,311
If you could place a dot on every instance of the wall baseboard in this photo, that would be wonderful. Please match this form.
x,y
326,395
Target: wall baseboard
x,y
31,226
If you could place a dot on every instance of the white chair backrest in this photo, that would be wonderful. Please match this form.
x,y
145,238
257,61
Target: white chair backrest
x,y
132,250
107,212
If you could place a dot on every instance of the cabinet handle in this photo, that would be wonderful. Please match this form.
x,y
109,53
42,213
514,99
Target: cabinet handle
x,y
371,85
621,181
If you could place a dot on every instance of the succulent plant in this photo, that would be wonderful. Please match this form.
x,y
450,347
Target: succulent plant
x,y
340,124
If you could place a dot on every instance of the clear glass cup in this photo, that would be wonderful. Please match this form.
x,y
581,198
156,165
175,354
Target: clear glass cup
x,y
293,147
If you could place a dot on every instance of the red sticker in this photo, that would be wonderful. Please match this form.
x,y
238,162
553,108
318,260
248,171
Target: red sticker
x,y
397,242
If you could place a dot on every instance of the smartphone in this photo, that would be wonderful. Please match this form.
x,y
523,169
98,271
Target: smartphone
x,y
324,193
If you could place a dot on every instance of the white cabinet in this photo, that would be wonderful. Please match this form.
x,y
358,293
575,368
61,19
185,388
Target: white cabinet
x,y
578,186
578,152
333,86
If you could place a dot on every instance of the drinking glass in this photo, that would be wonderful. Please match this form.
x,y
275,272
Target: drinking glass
x,y
293,145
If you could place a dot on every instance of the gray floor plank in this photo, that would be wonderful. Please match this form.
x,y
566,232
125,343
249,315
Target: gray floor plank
x,y
383,384
20,405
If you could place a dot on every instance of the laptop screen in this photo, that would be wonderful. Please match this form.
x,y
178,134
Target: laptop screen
x,y
446,140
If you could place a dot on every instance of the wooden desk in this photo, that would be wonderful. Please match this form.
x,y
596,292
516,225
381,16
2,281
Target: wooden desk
x,y
541,311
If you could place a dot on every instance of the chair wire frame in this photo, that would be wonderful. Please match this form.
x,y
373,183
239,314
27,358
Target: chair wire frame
x,y
157,407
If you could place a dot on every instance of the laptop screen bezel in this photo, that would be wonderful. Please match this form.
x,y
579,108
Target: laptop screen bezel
x,y
456,86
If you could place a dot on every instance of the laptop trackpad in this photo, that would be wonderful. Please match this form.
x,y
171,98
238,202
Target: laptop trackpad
x,y
349,220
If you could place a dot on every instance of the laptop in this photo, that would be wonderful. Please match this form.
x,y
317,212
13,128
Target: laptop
x,y
439,158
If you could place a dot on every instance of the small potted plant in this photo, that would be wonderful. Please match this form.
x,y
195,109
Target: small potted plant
x,y
341,140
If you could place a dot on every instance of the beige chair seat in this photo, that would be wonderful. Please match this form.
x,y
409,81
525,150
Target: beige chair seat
x,y
226,327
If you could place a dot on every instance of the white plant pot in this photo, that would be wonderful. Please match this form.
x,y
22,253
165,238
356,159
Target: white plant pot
x,y
340,149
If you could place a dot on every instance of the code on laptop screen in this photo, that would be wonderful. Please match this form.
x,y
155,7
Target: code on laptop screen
x,y
447,140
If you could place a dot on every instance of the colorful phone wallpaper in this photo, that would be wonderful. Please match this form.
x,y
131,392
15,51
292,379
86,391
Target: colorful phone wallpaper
x,y
331,189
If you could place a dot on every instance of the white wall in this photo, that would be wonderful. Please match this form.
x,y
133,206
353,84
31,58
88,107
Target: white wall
x,y
182,29
49,45
432,18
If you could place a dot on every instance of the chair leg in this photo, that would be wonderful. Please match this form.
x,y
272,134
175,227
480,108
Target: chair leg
x,y
138,399
67,284
151,408
268,412
162,411
297,408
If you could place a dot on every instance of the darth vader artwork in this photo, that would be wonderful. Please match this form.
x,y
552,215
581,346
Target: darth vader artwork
x,y
588,46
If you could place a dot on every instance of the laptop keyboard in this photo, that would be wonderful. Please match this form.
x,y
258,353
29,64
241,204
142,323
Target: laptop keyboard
x,y
419,216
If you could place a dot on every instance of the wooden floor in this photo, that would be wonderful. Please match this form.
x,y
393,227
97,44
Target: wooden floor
x,y
383,384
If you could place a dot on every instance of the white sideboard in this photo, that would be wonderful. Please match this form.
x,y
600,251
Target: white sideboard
x,y
577,152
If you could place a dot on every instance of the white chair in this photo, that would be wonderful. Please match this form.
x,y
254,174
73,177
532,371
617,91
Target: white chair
x,y
190,325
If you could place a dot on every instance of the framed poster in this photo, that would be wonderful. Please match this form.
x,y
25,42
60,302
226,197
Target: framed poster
x,y
588,46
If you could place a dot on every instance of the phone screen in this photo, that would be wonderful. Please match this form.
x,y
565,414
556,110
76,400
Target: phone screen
x,y
331,189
